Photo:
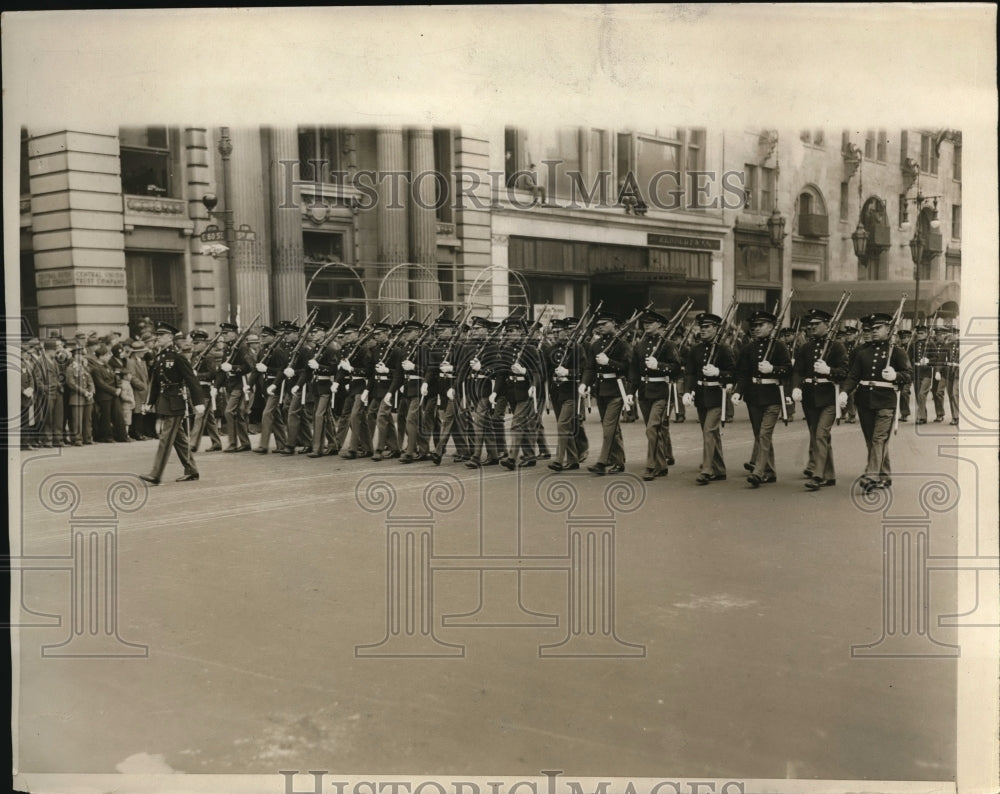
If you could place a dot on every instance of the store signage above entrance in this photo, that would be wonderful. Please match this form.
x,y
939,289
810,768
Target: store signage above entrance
x,y
680,241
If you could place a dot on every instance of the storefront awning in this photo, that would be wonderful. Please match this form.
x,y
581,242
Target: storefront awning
x,y
880,296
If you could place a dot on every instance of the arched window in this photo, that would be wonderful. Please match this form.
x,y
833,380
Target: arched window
x,y
812,218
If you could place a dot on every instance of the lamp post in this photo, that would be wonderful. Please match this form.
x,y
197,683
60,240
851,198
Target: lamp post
x,y
918,244
229,234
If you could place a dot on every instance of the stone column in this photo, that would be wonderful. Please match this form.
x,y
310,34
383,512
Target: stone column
x,y
209,285
77,224
392,222
248,196
287,256
423,220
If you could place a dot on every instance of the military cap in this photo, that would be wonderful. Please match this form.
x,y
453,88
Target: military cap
x,y
198,335
606,317
877,318
706,318
228,326
346,328
569,322
383,327
818,316
252,338
165,328
850,329
905,333
411,324
557,322
482,322
786,331
762,317
654,317
920,327
321,325
266,330
514,322
443,322
941,329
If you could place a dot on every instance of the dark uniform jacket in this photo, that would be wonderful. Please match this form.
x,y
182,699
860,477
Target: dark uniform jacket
x,y
419,354
171,380
819,391
654,384
571,356
605,377
756,387
707,393
477,385
275,359
516,386
865,379
381,383
243,364
362,368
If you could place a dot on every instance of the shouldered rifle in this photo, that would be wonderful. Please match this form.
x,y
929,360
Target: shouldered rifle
x,y
489,338
459,324
363,338
777,325
392,342
835,322
304,336
672,325
208,349
636,316
421,336
330,335
241,339
574,338
888,356
266,355
723,329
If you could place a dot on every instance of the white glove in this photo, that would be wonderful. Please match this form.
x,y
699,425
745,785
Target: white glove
x,y
517,369
765,367
381,368
260,366
387,399
424,389
736,398
601,359
797,395
446,367
531,391
213,391
295,389
409,366
710,371
842,400
924,361
364,397
313,363
820,367
561,372
334,387
289,372
346,365
937,376
493,399
28,391
889,373
199,409
451,394
629,401
688,398
476,365
582,390
271,389
226,367
651,362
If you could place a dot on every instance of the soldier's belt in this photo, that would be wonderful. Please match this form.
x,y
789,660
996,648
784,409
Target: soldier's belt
x,y
609,375
656,380
878,384
382,377
358,377
519,378
817,380
766,381
205,383
323,377
413,377
708,383
480,376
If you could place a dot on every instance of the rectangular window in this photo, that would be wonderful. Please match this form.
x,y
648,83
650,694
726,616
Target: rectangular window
x,y
956,163
956,221
25,173
146,165
928,156
319,148
844,201
882,146
870,145
149,278
564,148
750,187
515,156
444,182
768,182
953,268
662,161
904,213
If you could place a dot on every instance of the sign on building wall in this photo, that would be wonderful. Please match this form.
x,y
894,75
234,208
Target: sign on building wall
x,y
553,311
79,277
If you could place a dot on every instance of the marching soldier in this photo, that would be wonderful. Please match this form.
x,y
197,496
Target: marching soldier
x,y
762,364
522,383
654,363
709,366
444,358
171,385
207,371
788,338
951,361
904,337
267,377
413,366
938,355
301,393
923,371
475,378
319,379
851,344
354,372
566,361
606,372
232,376
877,371
381,395
814,383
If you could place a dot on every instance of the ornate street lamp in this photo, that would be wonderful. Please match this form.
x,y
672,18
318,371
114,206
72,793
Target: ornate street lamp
x,y
860,240
776,228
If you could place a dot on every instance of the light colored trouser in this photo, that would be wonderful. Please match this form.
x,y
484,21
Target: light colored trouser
x,y
380,415
712,461
820,422
612,448
451,427
272,420
567,449
236,419
927,385
763,418
523,429
658,446
173,433
483,430
876,425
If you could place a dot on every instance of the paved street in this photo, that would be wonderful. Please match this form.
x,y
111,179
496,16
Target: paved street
x,y
261,593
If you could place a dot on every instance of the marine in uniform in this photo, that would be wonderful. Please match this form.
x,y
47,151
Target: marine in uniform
x,y
904,337
301,393
413,365
566,359
172,383
319,378
851,344
655,363
233,372
820,364
267,378
354,372
951,362
923,374
444,364
206,366
607,369
709,366
763,364
381,395
523,380
877,372
475,377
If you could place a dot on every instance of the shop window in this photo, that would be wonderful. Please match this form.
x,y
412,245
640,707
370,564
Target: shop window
x,y
146,162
